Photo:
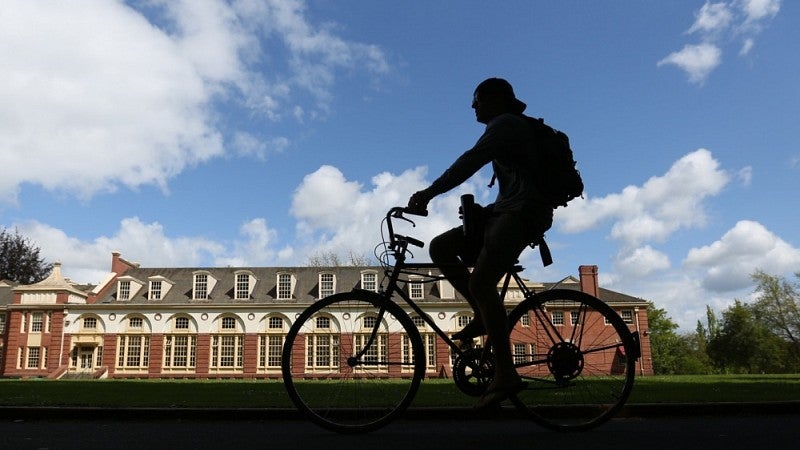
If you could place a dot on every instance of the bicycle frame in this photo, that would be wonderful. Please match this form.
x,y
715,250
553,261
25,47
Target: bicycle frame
x,y
398,246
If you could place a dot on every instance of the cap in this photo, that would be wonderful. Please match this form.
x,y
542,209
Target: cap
x,y
501,87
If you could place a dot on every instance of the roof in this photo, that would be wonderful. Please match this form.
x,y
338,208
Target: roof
x,y
305,279
54,282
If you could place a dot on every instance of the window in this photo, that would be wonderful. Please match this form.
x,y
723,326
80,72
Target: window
x,y
627,315
323,323
419,322
276,323
525,320
89,323
369,281
462,321
133,351
271,344
574,317
124,290
228,323
558,317
322,346
226,351
323,351
375,355
242,286
135,322
200,286
270,348
181,323
369,322
327,284
179,351
24,325
155,290
519,354
284,286
37,321
2,323
415,291
33,357
429,343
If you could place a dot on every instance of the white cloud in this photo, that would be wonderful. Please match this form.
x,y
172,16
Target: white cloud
x,y
712,18
98,95
759,10
150,244
698,61
746,175
729,262
719,24
339,215
641,262
655,210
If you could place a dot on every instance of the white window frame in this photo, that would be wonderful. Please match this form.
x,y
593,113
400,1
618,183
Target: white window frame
x,y
155,290
124,290
327,284
557,318
370,284
285,283
416,289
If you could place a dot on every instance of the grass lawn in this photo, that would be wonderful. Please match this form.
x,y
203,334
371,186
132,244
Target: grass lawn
x,y
271,394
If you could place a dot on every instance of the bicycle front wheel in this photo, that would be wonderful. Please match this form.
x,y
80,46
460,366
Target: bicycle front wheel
x,y
577,356
352,362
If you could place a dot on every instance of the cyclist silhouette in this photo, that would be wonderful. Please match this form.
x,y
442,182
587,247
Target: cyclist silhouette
x,y
518,216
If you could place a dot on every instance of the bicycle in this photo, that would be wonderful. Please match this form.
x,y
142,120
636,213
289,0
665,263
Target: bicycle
x,y
353,362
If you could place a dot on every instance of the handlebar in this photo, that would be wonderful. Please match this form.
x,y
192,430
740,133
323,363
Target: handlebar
x,y
398,212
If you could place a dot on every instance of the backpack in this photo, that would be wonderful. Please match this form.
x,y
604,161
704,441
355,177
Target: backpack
x,y
556,176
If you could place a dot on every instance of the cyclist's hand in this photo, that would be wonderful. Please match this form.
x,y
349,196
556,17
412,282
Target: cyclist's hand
x,y
419,201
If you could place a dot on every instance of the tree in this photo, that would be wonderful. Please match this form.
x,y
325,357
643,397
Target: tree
x,y
743,344
332,259
673,353
778,306
20,260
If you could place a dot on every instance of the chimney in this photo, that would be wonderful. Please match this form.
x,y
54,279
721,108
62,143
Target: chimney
x,y
589,285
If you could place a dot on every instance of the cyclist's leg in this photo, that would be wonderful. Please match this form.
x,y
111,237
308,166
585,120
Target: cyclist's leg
x,y
446,250
505,237
500,251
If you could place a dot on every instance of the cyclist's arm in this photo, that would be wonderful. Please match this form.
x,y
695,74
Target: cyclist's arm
x,y
484,151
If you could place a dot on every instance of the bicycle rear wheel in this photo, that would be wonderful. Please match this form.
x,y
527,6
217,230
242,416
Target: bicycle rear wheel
x,y
577,355
343,376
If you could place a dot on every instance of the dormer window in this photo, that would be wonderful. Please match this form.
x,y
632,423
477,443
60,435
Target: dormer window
x,y
202,285
415,291
285,286
327,284
124,290
369,281
159,287
155,290
128,287
244,282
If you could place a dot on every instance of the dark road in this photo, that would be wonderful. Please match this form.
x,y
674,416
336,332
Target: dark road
x,y
731,432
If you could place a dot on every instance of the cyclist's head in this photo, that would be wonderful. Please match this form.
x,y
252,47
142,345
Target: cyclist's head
x,y
495,96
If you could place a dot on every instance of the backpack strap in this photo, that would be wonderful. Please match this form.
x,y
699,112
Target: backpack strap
x,y
544,251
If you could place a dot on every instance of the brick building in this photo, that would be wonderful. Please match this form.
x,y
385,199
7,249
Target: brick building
x,y
213,322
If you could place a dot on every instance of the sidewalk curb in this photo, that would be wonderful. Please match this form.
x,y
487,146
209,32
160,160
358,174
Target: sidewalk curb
x,y
461,413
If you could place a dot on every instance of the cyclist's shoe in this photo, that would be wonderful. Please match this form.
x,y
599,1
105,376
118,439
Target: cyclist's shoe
x,y
471,331
493,396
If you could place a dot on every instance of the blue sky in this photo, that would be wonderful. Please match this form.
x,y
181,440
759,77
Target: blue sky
x,y
257,133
